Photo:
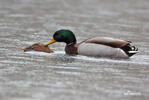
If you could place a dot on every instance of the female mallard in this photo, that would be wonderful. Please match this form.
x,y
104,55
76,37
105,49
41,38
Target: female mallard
x,y
97,46
38,47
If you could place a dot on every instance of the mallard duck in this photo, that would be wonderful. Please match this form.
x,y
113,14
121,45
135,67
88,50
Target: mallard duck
x,y
96,46
38,47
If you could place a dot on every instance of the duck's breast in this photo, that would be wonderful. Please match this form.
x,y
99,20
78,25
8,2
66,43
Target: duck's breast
x,y
91,49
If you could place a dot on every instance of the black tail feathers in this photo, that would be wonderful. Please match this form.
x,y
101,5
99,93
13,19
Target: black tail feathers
x,y
130,50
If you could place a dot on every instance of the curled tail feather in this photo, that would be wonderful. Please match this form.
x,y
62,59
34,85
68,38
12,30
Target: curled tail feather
x,y
130,50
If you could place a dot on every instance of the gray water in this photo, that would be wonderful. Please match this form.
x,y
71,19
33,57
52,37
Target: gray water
x,y
56,76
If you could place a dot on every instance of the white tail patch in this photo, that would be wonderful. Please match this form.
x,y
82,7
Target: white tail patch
x,y
133,51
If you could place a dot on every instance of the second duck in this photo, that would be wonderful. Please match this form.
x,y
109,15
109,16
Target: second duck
x,y
97,46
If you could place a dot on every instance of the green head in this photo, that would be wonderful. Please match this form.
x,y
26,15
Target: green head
x,y
66,36
63,35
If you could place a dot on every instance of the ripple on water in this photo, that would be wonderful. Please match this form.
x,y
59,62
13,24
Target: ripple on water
x,y
40,76
136,59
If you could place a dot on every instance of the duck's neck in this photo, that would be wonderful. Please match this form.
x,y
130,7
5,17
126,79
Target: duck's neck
x,y
71,49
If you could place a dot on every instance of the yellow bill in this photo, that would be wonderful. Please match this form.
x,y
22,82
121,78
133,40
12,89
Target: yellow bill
x,y
50,42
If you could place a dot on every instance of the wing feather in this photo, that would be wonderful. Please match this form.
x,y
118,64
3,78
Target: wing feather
x,y
116,43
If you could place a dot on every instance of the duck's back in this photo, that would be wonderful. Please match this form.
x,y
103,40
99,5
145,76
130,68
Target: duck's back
x,y
117,43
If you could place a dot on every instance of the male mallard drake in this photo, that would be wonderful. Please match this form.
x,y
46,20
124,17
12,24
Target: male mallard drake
x,y
97,46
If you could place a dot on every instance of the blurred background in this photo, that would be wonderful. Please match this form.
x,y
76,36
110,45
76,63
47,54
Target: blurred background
x,y
56,76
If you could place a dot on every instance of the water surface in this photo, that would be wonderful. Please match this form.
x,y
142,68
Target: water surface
x,y
57,76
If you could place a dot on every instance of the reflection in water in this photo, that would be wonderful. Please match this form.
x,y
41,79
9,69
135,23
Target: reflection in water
x,y
40,76
64,58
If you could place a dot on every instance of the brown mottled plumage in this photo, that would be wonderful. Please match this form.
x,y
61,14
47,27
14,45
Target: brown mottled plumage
x,y
38,47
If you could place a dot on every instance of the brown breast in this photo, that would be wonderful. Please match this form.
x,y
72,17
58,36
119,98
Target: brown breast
x,y
71,49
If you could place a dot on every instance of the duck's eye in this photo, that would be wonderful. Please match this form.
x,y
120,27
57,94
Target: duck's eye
x,y
61,36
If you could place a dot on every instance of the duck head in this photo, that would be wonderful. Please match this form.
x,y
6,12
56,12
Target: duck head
x,y
63,35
